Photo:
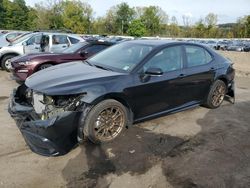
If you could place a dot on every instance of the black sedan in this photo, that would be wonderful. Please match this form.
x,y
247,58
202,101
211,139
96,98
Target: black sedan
x,y
124,84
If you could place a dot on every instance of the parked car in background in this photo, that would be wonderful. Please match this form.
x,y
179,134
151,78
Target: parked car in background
x,y
26,65
7,38
246,47
37,42
236,46
126,83
222,45
212,44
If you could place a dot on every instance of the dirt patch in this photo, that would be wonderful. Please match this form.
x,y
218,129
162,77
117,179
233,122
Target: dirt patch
x,y
219,156
241,62
135,152
3,98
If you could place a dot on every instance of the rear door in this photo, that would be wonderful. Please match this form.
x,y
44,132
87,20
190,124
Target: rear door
x,y
198,73
59,43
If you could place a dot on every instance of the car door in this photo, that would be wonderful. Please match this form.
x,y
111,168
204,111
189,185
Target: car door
x,y
33,44
198,73
156,94
59,43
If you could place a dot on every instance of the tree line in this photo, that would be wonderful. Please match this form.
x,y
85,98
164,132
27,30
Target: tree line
x,y
78,17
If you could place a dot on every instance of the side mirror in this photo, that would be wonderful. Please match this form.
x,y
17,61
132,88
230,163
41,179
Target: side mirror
x,y
154,71
83,53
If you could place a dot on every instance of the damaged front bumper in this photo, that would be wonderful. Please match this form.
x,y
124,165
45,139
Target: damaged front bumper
x,y
51,137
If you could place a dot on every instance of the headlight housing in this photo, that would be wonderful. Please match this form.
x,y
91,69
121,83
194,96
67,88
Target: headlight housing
x,y
25,62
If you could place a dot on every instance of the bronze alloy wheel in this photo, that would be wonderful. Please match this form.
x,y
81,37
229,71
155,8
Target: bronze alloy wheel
x,y
109,123
218,95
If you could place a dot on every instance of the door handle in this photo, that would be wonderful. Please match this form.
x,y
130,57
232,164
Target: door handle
x,y
181,75
212,68
36,48
64,46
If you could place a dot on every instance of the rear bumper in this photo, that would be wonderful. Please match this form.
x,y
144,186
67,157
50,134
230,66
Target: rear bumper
x,y
51,137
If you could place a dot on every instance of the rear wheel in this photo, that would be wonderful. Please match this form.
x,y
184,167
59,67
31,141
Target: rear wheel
x,y
216,94
44,66
105,121
5,63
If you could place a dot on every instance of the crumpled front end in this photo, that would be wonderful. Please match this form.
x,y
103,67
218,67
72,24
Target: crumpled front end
x,y
48,123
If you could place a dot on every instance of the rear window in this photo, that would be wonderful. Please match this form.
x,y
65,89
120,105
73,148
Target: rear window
x,y
73,40
59,39
197,56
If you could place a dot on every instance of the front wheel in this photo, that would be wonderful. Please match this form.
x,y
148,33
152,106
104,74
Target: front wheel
x,y
105,121
216,94
6,64
44,66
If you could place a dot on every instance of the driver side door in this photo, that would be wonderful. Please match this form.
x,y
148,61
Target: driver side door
x,y
33,45
158,94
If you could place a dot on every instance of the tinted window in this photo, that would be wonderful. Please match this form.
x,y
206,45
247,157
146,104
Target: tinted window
x,y
95,48
168,59
74,48
59,39
73,40
197,56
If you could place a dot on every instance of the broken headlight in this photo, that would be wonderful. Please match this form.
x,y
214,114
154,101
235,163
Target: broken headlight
x,y
51,106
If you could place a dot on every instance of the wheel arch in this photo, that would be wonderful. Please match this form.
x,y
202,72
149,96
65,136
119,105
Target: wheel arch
x,y
120,98
7,54
40,64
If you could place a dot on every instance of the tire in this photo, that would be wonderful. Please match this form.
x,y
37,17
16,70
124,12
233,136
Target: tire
x,y
44,66
5,61
216,94
99,126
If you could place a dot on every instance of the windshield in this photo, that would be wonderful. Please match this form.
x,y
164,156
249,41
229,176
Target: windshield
x,y
74,48
21,39
124,56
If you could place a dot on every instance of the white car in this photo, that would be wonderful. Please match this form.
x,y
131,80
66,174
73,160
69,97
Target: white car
x,y
35,43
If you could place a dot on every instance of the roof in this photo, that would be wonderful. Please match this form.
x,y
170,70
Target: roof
x,y
153,42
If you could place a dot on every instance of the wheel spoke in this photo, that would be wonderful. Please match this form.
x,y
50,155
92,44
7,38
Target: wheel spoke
x,y
109,123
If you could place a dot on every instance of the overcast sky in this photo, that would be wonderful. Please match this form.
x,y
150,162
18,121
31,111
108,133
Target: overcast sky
x,y
227,10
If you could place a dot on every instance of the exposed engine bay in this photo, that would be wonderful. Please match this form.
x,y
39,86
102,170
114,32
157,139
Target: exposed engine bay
x,y
48,106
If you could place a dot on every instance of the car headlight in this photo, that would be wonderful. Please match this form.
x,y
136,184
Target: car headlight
x,y
25,62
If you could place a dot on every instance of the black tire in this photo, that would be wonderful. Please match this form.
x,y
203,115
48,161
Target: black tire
x,y
94,126
44,66
216,94
4,62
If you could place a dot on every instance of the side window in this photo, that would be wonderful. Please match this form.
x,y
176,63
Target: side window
x,y
35,40
95,48
73,40
197,56
59,39
11,36
168,59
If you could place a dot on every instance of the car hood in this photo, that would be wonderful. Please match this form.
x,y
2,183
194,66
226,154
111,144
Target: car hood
x,y
29,57
69,78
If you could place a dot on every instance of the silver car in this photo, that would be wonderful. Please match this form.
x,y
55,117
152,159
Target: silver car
x,y
7,38
35,43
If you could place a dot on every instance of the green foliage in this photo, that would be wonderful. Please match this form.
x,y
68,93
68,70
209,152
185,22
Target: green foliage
x,y
77,16
137,28
124,15
152,18
248,26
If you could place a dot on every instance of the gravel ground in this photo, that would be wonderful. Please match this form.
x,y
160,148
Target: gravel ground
x,y
194,148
